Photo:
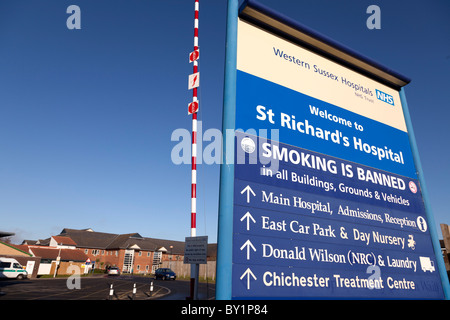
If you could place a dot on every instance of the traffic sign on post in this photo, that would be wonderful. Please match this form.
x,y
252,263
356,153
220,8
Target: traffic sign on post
x,y
194,80
194,55
325,198
193,107
196,250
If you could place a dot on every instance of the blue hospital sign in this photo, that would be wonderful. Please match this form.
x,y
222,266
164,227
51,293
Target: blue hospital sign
x,y
327,201
310,225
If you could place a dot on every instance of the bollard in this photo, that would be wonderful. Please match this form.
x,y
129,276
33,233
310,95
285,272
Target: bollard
x,y
151,288
111,292
134,292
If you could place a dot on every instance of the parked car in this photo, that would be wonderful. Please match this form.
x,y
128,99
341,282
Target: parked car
x,y
113,271
11,268
165,274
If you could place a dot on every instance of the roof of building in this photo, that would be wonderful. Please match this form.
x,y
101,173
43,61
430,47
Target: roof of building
x,y
23,248
169,246
64,240
43,242
30,242
13,249
52,253
87,238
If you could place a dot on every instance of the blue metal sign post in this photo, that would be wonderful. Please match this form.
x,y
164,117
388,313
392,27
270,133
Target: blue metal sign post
x,y
322,193
225,228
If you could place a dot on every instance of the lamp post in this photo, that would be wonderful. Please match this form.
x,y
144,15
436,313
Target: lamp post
x,y
170,258
58,259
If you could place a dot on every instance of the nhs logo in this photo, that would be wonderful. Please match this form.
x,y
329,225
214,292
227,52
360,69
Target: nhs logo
x,y
385,97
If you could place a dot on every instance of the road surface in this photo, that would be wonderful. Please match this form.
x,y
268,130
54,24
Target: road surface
x,y
98,288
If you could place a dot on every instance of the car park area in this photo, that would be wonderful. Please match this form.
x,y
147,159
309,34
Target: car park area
x,y
91,288
99,288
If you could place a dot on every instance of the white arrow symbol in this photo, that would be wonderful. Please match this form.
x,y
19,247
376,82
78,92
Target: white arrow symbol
x,y
249,245
248,216
249,274
248,190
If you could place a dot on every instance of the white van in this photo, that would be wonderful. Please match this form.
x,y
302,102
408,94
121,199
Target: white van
x,y
427,264
11,268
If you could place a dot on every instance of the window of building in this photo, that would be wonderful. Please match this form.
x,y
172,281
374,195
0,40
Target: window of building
x,y
128,261
157,258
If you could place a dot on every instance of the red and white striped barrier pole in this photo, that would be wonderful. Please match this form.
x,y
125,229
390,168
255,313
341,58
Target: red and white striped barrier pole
x,y
193,108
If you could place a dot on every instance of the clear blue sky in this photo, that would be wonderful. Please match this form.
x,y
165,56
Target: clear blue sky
x,y
86,116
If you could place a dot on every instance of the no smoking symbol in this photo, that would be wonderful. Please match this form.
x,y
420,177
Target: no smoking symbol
x,y
412,187
193,107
